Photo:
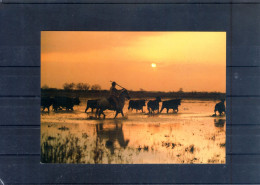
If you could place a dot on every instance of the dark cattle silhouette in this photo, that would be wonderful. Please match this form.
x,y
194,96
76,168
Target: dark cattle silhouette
x,y
171,104
219,122
153,105
220,107
46,102
76,101
136,104
65,102
91,104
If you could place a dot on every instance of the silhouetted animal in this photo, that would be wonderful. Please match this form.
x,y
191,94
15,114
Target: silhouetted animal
x,y
171,104
65,102
153,105
46,102
104,104
219,122
91,104
76,101
220,107
136,104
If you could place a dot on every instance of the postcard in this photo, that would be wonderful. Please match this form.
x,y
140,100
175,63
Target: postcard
x,y
118,97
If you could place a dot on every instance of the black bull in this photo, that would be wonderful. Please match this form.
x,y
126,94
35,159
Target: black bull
x,y
136,104
171,104
46,102
65,102
153,105
220,107
91,104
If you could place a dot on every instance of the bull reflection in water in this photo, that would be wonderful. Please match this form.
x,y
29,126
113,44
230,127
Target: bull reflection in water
x,y
111,135
219,122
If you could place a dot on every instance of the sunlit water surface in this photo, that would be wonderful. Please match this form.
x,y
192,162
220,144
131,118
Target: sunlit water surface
x,y
192,135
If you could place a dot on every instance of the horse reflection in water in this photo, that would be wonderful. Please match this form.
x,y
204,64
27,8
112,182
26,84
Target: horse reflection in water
x,y
109,134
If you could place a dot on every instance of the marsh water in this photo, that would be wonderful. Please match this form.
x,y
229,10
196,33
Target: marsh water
x,y
192,135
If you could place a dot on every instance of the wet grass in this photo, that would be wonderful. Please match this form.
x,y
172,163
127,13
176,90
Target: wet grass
x,y
84,135
170,144
190,149
58,150
144,148
63,128
51,138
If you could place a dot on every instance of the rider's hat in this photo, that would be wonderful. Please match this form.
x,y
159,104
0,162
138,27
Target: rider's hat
x,y
113,83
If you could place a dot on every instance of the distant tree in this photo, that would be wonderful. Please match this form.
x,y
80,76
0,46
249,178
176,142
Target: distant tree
x,y
85,87
82,86
180,90
69,86
95,87
66,86
45,86
141,89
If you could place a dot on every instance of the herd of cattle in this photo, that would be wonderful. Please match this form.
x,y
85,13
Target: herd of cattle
x,y
152,105
67,103
59,102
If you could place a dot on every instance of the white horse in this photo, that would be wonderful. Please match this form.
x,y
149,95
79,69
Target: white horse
x,y
104,104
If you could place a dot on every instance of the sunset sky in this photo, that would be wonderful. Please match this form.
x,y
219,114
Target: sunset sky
x,y
153,61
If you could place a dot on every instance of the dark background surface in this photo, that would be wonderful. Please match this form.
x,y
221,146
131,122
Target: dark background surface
x,y
20,26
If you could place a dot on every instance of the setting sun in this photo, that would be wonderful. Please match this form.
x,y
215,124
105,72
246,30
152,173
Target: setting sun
x,y
153,65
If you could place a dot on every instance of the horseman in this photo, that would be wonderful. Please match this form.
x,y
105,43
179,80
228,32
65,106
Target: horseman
x,y
116,101
113,95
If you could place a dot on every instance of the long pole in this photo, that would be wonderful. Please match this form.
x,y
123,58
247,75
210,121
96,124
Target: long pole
x,y
118,84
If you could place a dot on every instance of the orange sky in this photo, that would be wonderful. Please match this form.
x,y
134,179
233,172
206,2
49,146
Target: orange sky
x,y
194,61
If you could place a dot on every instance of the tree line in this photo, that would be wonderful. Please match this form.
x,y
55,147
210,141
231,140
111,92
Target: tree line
x,y
77,86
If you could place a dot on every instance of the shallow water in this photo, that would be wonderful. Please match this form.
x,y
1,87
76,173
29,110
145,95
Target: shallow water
x,y
192,135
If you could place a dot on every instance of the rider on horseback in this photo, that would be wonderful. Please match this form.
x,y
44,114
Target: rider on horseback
x,y
113,96
116,101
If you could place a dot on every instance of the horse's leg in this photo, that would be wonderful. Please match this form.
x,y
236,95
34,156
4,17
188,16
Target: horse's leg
x,y
92,110
122,113
167,110
161,109
116,114
104,115
100,112
86,109
96,113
